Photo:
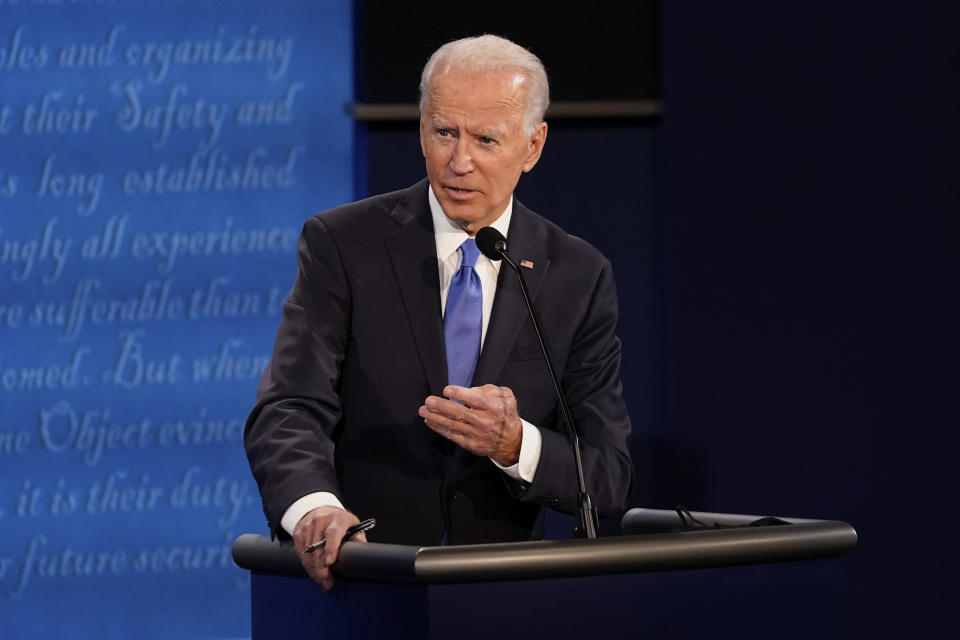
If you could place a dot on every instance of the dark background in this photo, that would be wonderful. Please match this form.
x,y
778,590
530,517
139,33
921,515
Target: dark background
x,y
586,48
784,245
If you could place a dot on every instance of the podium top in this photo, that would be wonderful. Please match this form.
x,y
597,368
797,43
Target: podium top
x,y
641,520
803,540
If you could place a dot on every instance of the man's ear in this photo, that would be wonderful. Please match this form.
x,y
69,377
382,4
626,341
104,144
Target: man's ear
x,y
422,149
537,140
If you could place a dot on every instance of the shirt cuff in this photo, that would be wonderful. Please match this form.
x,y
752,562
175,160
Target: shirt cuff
x,y
530,446
307,503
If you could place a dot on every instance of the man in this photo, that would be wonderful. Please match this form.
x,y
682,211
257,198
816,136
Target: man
x,y
379,398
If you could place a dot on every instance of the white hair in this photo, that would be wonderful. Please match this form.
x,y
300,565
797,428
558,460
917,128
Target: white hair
x,y
490,54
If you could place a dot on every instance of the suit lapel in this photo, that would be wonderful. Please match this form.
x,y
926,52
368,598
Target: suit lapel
x,y
526,240
413,252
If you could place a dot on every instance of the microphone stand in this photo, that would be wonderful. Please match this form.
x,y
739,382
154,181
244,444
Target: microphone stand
x,y
587,521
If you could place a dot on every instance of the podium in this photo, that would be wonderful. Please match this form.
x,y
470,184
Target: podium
x,y
546,588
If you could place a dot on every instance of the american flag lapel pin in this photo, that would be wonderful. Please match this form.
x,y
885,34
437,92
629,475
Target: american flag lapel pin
x,y
526,263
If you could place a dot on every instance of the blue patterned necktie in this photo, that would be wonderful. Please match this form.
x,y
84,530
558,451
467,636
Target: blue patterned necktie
x,y
463,318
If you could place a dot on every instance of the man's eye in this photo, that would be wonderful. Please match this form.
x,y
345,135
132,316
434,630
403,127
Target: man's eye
x,y
486,140
443,133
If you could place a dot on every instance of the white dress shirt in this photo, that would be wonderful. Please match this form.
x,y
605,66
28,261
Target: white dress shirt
x,y
449,236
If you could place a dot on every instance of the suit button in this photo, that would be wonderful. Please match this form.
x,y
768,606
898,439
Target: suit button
x,y
449,494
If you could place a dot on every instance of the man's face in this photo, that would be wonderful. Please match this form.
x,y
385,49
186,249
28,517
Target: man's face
x,y
475,147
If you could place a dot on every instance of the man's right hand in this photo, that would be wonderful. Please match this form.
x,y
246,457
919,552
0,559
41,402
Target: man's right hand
x,y
330,523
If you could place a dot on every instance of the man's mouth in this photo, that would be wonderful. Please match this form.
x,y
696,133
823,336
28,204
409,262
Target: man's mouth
x,y
457,192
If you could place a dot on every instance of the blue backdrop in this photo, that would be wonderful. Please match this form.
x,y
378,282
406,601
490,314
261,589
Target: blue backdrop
x,y
156,162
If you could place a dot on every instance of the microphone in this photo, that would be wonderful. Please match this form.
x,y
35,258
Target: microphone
x,y
493,245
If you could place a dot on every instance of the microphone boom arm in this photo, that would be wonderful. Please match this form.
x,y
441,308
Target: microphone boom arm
x,y
587,521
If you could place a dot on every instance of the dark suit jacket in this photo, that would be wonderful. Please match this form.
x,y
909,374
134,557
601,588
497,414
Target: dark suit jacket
x,y
361,345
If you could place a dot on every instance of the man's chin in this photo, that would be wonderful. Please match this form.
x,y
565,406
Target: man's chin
x,y
467,218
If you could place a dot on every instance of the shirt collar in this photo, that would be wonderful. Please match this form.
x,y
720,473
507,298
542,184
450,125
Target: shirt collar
x,y
448,234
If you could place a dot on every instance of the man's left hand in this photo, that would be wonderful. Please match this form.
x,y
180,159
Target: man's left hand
x,y
487,423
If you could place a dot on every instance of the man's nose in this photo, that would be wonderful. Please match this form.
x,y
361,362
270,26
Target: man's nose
x,y
460,159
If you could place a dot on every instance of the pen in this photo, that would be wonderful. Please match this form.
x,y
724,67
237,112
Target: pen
x,y
366,525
